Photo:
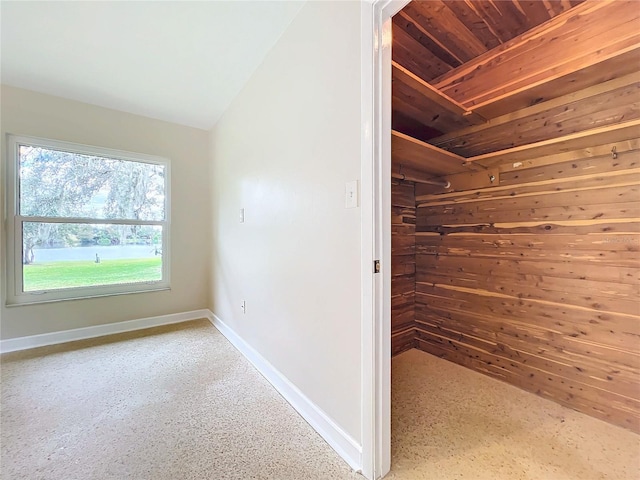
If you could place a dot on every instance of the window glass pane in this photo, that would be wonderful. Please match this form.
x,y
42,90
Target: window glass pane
x,y
66,255
61,184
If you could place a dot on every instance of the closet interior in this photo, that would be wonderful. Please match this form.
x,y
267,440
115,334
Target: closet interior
x,y
515,195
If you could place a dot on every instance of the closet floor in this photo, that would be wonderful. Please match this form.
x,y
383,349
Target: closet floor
x,y
449,422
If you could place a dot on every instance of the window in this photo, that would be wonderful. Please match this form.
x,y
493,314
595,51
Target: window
x,y
86,221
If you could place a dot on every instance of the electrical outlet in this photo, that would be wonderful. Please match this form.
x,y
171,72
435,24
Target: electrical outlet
x,y
351,194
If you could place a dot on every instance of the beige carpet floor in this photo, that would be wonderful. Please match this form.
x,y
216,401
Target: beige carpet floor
x,y
170,403
450,422
179,402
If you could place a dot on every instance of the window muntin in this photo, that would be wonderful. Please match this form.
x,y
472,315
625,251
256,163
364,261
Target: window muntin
x,y
87,221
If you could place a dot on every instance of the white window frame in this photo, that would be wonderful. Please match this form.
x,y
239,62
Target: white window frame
x,y
15,295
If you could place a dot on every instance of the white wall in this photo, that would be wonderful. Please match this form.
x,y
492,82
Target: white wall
x,y
28,113
283,151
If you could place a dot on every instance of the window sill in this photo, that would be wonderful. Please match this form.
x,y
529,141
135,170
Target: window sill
x,y
37,299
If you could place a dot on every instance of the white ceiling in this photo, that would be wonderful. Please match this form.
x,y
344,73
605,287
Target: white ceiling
x,y
178,61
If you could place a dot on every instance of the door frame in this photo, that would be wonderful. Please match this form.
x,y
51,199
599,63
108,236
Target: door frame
x,y
375,62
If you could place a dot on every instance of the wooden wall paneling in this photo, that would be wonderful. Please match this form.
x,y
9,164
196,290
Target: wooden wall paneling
x,y
403,195
415,54
503,18
619,226
556,7
540,107
589,161
526,267
409,119
598,296
536,189
532,338
619,132
489,214
613,257
402,308
403,265
512,342
465,181
618,64
419,34
515,369
403,172
625,191
606,104
426,38
403,242
403,340
501,245
535,12
469,16
536,280
544,268
429,158
597,31
544,77
437,21
470,274
611,329
431,38
460,346
612,249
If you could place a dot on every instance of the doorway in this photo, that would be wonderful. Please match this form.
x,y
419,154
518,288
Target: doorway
x,y
489,166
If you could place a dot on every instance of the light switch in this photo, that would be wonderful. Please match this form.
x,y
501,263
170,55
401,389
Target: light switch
x,y
242,215
351,194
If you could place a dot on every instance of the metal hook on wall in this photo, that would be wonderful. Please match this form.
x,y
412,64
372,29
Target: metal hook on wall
x,y
614,153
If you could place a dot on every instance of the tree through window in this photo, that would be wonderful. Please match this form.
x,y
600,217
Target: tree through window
x,y
88,221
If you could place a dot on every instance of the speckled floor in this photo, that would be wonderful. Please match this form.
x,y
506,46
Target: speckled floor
x,y
180,403
449,422
172,403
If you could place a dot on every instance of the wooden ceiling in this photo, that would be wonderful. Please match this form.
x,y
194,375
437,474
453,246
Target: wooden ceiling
x,y
477,80
433,37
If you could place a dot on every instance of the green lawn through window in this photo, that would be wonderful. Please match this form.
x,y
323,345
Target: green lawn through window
x,y
54,275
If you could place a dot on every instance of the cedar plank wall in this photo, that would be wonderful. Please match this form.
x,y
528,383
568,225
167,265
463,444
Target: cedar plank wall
x,y
535,279
403,265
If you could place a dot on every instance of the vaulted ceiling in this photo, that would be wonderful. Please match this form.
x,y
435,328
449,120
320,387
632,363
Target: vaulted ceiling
x,y
475,81
179,61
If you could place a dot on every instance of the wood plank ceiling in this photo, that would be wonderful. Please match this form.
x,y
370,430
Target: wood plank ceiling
x,y
474,79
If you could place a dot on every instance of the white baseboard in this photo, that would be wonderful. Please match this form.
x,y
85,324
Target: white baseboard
x,y
337,438
33,341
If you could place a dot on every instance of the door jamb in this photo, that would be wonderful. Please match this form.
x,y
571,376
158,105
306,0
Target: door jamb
x,y
376,234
